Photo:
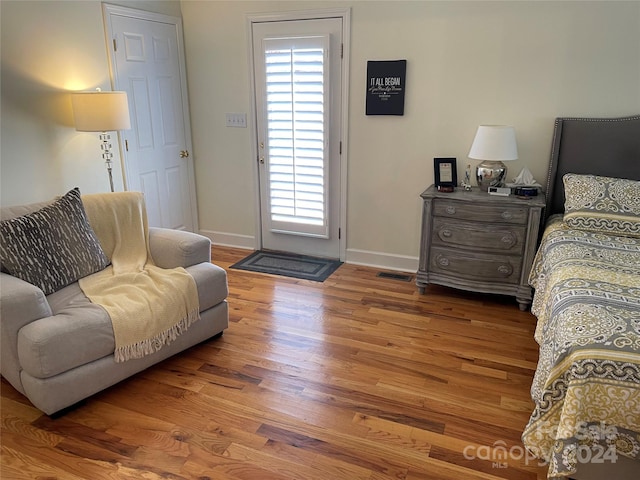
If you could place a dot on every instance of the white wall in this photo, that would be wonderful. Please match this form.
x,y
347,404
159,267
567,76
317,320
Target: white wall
x,y
50,48
469,63
521,63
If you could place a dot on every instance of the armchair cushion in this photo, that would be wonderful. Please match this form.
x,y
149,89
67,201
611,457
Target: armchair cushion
x,y
52,247
78,332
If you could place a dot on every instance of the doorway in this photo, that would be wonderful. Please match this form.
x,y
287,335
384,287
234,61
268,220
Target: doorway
x,y
147,61
299,85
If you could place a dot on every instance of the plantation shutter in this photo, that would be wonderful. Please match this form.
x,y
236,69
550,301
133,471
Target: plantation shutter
x,y
296,148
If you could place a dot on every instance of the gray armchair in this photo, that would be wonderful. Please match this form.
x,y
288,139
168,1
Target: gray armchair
x,y
57,349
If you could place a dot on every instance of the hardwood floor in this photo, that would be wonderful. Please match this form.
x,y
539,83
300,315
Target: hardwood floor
x,y
359,377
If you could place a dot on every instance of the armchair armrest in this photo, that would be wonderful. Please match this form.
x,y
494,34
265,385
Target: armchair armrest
x,y
20,303
177,248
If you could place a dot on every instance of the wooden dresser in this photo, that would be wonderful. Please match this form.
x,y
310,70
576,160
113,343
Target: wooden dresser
x,y
479,242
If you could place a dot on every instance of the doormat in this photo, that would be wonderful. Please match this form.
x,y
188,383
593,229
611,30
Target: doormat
x,y
288,265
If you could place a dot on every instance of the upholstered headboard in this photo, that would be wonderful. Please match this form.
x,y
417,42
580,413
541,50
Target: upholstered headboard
x,y
600,146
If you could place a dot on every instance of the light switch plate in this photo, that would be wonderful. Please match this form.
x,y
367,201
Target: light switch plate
x,y
238,120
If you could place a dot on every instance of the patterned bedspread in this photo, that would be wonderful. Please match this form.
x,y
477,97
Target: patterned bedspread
x,y
587,385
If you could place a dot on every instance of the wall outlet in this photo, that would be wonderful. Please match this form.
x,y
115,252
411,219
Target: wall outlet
x,y
238,120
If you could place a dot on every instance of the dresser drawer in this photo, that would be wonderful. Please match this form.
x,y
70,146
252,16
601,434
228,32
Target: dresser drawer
x,y
480,236
480,213
471,266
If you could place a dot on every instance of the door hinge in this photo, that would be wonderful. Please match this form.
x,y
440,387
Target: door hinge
x,y
115,46
339,233
342,50
340,147
126,144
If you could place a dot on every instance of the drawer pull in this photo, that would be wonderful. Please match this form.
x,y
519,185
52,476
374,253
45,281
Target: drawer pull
x,y
446,233
451,209
506,215
504,269
508,239
444,262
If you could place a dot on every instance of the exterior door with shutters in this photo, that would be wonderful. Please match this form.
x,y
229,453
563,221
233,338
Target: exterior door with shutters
x,y
298,83
147,60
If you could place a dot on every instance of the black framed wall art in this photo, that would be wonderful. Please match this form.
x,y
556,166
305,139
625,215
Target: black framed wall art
x,y
386,87
445,174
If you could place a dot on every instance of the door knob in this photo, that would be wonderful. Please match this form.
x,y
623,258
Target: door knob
x,y
184,153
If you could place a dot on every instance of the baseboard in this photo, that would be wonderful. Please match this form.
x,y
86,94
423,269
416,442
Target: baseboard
x,y
230,239
387,261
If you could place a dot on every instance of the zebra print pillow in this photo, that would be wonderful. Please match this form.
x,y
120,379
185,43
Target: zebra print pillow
x,y
52,247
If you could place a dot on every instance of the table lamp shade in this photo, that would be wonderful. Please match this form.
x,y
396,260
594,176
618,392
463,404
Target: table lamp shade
x,y
100,111
494,142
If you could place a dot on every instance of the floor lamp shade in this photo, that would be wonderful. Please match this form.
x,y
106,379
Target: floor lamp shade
x,y
100,111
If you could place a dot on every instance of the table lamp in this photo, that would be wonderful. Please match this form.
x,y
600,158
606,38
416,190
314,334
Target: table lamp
x,y
493,144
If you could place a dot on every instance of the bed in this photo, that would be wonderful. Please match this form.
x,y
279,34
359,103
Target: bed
x,y
586,275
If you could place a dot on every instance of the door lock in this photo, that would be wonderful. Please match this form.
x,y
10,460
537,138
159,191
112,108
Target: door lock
x,y
184,153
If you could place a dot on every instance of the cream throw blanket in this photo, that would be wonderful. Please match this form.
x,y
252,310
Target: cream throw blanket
x,y
149,306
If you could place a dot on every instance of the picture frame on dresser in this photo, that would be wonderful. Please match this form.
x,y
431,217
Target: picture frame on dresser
x,y
445,174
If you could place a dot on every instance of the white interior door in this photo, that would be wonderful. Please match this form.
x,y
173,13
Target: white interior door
x,y
148,63
298,80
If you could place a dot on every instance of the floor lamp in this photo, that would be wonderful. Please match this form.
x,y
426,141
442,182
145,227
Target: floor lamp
x,y
101,112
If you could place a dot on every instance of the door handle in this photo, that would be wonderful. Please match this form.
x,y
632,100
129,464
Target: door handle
x,y
184,153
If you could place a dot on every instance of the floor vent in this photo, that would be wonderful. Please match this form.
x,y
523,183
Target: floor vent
x,y
395,276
